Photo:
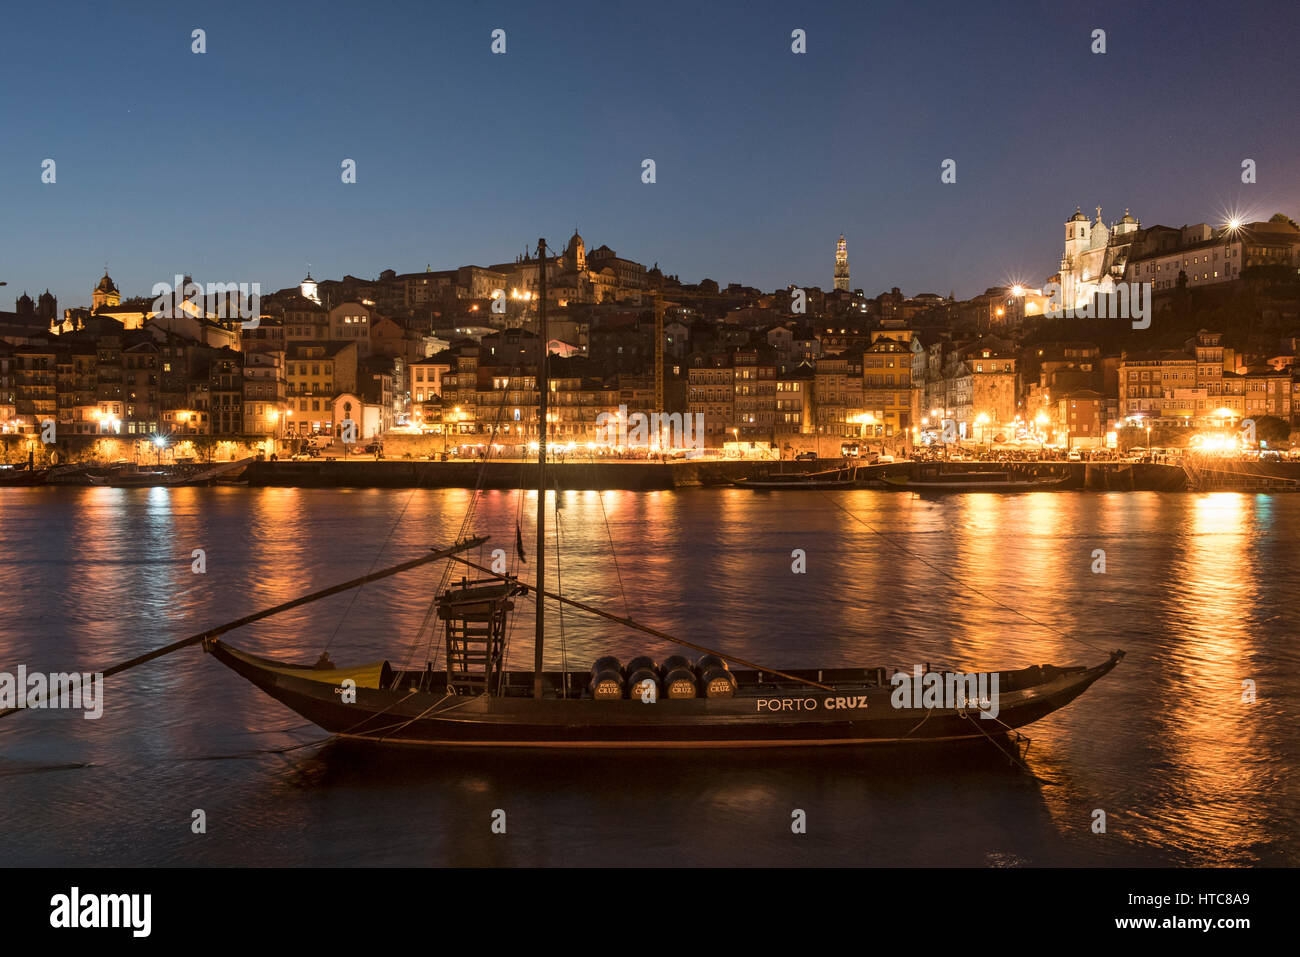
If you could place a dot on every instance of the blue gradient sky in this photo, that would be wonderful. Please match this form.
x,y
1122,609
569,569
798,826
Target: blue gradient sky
x,y
226,165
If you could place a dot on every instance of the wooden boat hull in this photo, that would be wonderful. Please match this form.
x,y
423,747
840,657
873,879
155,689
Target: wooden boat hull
x,y
771,485
831,479
392,707
139,480
1032,485
14,478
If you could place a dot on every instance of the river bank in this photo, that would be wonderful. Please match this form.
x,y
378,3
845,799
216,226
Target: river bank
x,y
630,475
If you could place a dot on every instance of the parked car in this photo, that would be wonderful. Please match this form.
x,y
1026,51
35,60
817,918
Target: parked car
x,y
806,457
884,460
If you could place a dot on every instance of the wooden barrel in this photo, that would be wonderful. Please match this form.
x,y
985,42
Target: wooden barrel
x,y
643,679
715,677
679,678
607,679
718,682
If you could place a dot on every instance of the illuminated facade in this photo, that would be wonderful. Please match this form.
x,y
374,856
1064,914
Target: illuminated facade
x,y
1095,256
105,295
841,265
887,388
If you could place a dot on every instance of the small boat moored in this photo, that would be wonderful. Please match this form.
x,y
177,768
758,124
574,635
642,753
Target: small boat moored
x,y
829,479
936,481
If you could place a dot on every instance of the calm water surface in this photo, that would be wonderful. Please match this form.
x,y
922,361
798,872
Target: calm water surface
x,y
1199,589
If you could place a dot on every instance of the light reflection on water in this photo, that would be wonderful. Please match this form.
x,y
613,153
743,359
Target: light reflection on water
x,y
1196,588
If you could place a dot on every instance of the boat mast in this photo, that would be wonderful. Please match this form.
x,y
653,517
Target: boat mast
x,y
543,387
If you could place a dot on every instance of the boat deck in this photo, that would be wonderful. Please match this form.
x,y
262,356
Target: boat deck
x,y
750,684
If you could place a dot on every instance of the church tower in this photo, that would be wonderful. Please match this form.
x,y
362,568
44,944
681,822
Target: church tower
x,y
575,255
841,265
105,295
309,289
1126,225
47,306
1076,243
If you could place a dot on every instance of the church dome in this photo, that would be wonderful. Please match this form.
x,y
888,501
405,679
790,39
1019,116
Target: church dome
x,y
1078,216
1128,220
106,285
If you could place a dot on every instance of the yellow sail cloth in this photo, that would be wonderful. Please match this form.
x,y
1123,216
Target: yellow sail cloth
x,y
366,676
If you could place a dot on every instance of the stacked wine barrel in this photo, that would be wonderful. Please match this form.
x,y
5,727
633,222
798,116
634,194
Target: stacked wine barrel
x,y
675,679
607,678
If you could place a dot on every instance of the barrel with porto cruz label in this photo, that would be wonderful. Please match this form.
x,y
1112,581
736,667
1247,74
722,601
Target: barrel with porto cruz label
x,y
715,677
718,682
679,679
643,679
607,678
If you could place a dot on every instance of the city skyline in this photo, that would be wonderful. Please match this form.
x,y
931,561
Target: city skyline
x,y
249,188
1027,280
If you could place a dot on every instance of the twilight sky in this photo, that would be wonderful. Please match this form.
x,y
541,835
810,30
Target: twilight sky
x,y
226,165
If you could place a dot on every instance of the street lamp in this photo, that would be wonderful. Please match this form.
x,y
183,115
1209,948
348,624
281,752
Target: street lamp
x,y
982,420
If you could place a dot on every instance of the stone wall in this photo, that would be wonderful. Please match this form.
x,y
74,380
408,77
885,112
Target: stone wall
x,y
104,450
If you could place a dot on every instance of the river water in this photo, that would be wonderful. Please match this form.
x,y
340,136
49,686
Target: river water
x,y
1199,590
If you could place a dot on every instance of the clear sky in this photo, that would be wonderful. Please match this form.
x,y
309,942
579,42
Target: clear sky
x,y
226,165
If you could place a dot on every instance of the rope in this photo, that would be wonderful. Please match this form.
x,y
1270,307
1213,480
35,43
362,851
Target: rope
x,y
559,587
1014,758
627,611
466,522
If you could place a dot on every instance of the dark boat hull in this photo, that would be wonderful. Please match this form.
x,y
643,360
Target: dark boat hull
x,y
763,715
1032,485
832,479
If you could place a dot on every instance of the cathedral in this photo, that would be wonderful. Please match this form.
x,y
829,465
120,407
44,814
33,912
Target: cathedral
x,y
40,312
1095,256
105,300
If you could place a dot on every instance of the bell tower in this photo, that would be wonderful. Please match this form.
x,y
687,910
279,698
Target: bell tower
x,y
841,265
105,295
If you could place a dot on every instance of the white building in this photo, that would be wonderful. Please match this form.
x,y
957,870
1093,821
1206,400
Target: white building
x,y
1095,257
